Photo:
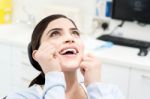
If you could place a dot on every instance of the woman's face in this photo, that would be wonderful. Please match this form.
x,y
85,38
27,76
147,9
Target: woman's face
x,y
65,37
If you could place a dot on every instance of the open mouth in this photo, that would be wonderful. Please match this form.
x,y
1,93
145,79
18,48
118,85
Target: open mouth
x,y
68,51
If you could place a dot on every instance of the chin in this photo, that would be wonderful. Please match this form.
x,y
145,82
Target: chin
x,y
70,66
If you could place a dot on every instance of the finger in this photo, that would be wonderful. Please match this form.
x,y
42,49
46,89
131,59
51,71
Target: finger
x,y
48,52
45,45
52,48
85,64
57,59
87,59
82,70
91,55
56,54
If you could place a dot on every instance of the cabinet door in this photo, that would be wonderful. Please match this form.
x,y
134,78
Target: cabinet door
x,y
116,75
139,85
22,70
5,56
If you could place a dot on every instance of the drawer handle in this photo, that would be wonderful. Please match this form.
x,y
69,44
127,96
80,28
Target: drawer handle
x,y
146,76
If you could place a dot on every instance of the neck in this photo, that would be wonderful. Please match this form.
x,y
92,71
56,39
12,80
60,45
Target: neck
x,y
71,81
72,86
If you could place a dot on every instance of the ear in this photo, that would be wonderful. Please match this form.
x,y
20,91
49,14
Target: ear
x,y
33,54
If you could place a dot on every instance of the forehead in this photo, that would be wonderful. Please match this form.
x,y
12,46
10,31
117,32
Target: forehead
x,y
61,23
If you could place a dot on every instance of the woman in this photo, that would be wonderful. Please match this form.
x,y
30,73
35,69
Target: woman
x,y
57,51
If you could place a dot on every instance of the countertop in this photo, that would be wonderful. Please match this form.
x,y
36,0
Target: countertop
x,y
18,35
117,55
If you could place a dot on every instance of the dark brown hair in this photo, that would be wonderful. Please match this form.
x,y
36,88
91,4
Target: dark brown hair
x,y
35,43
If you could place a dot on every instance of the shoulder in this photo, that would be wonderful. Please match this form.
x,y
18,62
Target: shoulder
x,y
31,92
105,90
102,86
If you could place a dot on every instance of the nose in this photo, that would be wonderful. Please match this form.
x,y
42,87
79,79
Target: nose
x,y
69,39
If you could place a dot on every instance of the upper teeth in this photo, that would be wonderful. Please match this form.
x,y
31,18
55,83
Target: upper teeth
x,y
70,49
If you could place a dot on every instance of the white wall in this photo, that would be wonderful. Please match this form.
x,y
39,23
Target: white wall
x,y
84,13
36,7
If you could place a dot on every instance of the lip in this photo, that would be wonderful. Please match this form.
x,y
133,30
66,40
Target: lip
x,y
69,47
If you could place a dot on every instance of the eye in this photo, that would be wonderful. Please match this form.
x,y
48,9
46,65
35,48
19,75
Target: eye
x,y
55,34
75,33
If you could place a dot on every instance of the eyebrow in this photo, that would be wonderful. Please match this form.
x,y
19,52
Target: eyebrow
x,y
73,29
54,29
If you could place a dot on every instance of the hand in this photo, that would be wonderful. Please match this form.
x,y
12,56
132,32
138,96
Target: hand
x,y
46,56
90,68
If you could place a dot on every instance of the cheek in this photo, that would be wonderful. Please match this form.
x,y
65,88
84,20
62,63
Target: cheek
x,y
81,49
56,43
